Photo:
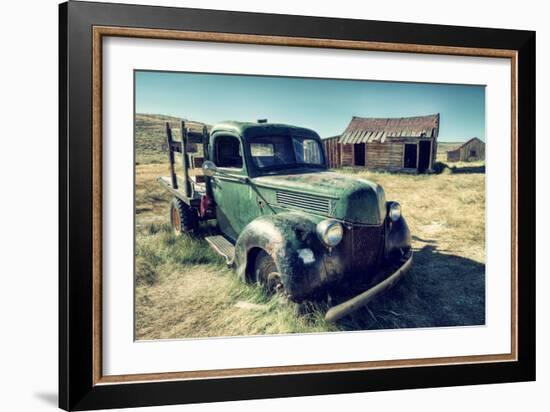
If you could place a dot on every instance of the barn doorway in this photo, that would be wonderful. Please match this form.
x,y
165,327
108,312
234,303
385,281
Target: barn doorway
x,y
359,154
424,149
409,158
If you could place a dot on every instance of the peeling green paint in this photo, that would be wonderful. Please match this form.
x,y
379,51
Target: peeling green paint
x,y
353,200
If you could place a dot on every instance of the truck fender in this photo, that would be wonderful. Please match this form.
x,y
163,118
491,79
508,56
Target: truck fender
x,y
291,241
398,240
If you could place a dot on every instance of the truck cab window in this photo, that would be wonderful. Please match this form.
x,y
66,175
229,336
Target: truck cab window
x,y
271,152
227,152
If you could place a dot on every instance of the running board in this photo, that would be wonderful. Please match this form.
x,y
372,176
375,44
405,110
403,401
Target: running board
x,y
222,246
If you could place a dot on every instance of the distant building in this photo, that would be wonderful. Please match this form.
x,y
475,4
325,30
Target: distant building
x,y
473,149
391,144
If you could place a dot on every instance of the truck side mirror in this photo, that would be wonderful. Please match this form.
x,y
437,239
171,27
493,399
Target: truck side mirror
x,y
209,168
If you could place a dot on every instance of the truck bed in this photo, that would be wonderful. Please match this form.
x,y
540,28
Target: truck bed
x,y
198,189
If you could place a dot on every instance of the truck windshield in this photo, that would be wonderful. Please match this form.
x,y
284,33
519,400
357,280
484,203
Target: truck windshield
x,y
278,152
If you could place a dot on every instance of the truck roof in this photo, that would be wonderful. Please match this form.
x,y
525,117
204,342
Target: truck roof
x,y
250,129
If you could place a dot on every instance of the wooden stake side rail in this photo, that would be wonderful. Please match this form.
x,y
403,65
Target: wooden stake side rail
x,y
185,161
172,146
191,201
189,188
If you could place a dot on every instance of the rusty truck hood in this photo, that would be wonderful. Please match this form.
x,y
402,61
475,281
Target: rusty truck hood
x,y
327,194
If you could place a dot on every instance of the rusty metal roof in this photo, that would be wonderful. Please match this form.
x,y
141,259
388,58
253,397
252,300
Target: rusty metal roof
x,y
382,130
473,139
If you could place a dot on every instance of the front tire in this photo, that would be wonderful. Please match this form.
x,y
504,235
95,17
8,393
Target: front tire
x,y
183,218
266,273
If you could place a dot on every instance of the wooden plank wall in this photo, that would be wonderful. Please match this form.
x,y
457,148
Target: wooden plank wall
x,y
434,153
388,156
476,145
379,156
332,151
346,155
463,153
453,155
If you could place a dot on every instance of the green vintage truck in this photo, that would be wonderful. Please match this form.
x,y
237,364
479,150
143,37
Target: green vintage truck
x,y
284,220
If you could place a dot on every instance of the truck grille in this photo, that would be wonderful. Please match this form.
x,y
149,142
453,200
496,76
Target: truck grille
x,y
364,246
311,203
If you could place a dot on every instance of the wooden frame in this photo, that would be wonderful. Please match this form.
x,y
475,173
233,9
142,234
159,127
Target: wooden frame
x,y
81,383
404,153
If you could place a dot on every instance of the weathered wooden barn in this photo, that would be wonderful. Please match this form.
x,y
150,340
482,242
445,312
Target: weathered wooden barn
x,y
472,150
391,144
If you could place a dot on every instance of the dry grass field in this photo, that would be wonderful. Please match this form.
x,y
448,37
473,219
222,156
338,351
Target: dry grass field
x,y
184,290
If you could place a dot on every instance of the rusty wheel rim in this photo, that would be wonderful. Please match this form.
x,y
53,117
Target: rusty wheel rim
x,y
176,220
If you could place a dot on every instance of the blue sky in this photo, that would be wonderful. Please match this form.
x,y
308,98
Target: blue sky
x,y
320,104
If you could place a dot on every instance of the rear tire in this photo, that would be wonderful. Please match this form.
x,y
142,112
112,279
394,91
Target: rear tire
x,y
266,273
183,218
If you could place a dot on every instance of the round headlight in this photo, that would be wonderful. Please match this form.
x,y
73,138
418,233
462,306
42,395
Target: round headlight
x,y
330,232
394,211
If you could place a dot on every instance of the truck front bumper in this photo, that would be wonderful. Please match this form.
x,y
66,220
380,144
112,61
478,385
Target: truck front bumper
x,y
351,305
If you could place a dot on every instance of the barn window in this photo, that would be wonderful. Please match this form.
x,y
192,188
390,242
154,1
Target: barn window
x,y
473,153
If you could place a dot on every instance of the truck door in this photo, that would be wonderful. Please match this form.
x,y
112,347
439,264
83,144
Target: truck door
x,y
231,193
